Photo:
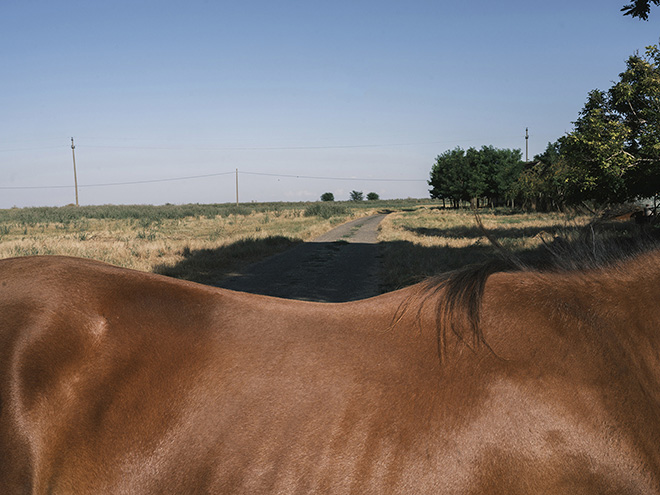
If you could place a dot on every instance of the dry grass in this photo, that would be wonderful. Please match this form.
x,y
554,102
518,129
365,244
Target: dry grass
x,y
167,245
417,244
416,240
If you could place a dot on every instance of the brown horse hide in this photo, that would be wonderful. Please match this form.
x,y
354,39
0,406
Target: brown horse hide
x,y
116,381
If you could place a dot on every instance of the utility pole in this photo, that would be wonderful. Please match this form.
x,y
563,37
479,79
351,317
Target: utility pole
x,y
526,144
75,176
236,187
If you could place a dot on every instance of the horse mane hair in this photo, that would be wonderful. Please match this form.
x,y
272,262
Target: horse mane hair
x,y
457,295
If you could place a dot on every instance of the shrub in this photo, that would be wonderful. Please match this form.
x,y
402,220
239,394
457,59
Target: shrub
x,y
327,196
357,195
372,196
325,210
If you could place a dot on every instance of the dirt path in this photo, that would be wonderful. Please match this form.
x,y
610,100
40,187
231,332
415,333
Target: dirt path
x,y
341,265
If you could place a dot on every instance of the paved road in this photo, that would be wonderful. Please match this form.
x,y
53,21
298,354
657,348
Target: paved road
x,y
341,265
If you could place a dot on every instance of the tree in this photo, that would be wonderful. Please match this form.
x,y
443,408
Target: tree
x,y
456,176
613,154
542,183
639,8
357,196
445,181
459,175
501,169
372,196
327,196
635,100
595,155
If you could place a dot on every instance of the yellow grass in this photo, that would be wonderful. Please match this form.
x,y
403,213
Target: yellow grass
x,y
417,244
164,245
416,241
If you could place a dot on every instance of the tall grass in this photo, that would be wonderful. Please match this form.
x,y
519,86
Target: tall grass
x,y
420,243
207,242
157,238
325,210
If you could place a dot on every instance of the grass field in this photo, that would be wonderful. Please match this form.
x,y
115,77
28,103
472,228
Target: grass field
x,y
162,238
207,242
420,243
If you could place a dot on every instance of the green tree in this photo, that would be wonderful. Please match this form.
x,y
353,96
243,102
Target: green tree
x,y
328,196
639,8
500,169
475,174
445,172
454,176
613,153
357,196
459,175
372,196
542,183
635,100
595,155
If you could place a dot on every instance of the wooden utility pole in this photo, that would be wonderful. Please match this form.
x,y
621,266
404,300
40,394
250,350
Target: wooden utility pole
x,y
526,144
236,187
75,176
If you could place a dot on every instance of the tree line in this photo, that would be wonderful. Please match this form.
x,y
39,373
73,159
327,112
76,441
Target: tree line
x,y
611,156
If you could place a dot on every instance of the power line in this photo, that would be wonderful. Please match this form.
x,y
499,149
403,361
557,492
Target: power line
x,y
239,148
284,148
264,148
333,178
190,177
151,181
31,149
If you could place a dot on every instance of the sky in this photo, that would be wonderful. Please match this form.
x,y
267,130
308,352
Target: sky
x,y
167,99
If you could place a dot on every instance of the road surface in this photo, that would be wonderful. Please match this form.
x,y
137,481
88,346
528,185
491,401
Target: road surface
x,y
340,265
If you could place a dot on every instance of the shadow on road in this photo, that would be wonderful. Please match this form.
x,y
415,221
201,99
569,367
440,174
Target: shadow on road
x,y
341,271
475,231
208,266
318,271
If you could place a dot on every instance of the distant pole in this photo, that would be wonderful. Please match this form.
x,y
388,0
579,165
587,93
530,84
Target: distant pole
x,y
526,144
236,187
75,176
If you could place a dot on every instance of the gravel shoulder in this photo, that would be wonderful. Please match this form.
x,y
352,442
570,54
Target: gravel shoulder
x,y
340,265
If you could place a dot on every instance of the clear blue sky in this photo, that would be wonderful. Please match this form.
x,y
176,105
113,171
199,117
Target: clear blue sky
x,y
356,89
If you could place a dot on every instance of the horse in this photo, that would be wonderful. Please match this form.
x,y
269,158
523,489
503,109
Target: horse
x,y
115,381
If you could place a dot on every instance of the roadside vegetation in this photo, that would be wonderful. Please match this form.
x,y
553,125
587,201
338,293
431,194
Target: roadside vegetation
x,y
161,238
206,243
426,241
611,156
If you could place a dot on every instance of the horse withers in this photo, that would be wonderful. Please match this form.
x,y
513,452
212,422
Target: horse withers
x,y
117,381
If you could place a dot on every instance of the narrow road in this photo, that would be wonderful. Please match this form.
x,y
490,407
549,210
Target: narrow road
x,y
340,265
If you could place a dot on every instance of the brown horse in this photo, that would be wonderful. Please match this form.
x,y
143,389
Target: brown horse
x,y
116,381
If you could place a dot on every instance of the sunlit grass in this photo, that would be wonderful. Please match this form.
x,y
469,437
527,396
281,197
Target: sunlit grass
x,y
417,244
207,243
147,245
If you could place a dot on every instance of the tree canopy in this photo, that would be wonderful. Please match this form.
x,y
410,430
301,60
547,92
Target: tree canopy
x,y
611,156
613,153
639,8
357,196
465,175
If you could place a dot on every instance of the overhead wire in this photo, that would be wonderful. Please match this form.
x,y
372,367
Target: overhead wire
x,y
332,178
173,179
236,148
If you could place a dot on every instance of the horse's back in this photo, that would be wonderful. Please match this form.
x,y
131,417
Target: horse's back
x,y
95,364
114,381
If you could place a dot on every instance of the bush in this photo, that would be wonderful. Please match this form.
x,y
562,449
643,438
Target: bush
x,y
325,210
327,196
372,196
357,195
